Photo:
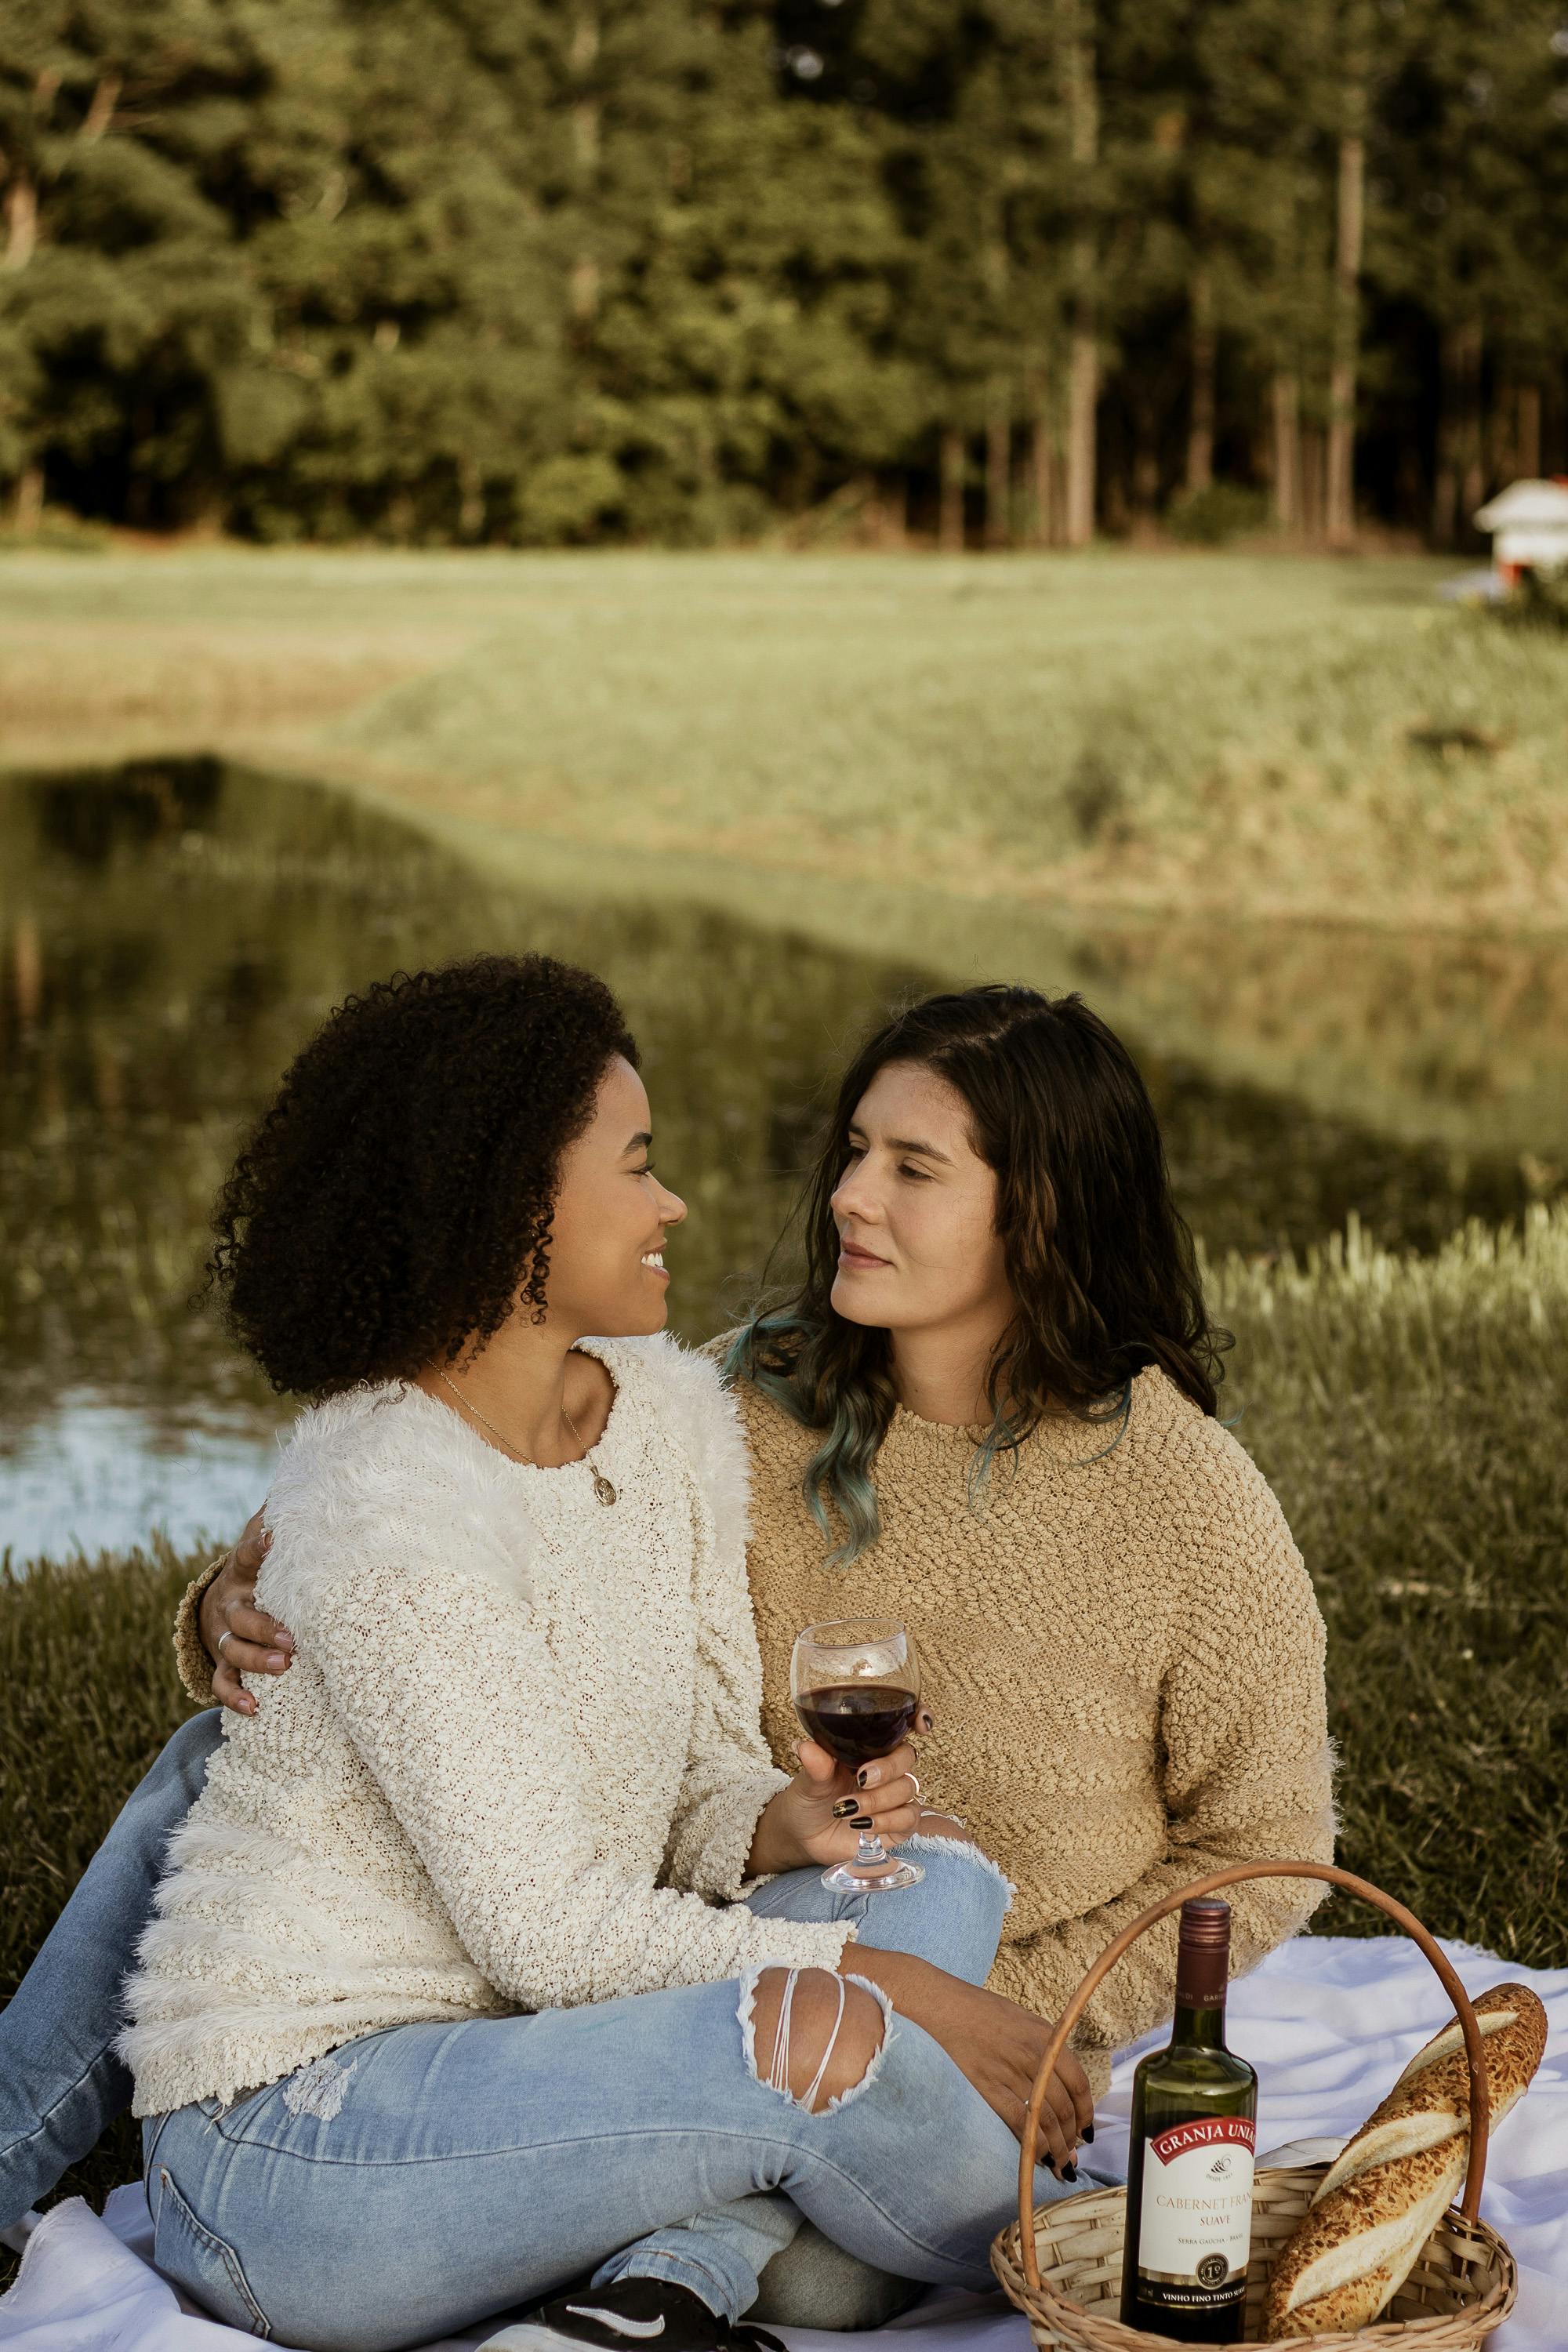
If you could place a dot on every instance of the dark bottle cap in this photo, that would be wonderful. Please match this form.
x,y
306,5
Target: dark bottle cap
x,y
1205,1923
1203,1954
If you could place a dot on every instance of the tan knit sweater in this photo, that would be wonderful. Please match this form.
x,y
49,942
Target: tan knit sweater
x,y
1125,1660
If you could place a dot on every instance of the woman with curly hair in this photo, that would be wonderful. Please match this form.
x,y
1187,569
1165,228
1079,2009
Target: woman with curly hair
x,y
494,1956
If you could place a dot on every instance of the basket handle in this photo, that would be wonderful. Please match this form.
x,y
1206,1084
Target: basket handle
x,y
1480,2098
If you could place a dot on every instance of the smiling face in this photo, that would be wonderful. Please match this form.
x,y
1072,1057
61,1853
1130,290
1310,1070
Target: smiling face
x,y
916,1211
607,1276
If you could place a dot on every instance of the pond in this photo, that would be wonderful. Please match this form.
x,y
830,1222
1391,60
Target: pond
x,y
170,931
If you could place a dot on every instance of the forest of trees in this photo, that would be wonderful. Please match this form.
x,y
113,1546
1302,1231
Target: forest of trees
x,y
997,271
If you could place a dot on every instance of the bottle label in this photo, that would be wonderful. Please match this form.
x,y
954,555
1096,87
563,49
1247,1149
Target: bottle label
x,y
1195,2227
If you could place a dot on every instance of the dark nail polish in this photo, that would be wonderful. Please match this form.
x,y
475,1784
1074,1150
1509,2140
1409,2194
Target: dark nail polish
x,y
844,1808
861,1821
1068,2172
860,1780
1088,2133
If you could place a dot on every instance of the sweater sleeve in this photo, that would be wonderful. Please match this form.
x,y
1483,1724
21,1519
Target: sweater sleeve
x,y
446,1687
730,1775
1247,1762
194,1666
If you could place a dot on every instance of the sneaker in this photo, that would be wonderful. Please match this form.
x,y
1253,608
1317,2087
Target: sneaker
x,y
623,2317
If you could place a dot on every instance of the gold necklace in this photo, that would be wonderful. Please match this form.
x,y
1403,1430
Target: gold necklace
x,y
602,1486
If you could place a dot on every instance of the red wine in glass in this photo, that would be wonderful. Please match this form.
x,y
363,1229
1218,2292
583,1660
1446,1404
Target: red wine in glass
x,y
857,1723
857,1687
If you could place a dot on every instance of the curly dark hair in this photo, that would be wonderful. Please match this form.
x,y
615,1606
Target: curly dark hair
x,y
396,1197
1098,1257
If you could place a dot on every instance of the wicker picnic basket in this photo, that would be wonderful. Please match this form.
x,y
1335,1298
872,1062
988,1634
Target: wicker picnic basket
x,y
1064,2272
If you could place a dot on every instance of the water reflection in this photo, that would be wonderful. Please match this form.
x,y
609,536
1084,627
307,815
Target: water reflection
x,y
92,1475
169,933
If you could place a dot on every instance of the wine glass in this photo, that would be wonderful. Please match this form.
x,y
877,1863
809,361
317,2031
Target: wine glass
x,y
856,1684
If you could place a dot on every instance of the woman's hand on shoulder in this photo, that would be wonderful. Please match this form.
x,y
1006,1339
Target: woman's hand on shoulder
x,y
819,1817
238,1637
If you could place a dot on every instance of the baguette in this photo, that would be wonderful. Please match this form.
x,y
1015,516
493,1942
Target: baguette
x,y
1379,2202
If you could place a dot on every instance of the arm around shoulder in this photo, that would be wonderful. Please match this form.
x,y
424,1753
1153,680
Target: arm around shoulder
x,y
191,1659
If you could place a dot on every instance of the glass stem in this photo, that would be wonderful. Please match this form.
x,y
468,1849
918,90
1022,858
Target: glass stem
x,y
870,1852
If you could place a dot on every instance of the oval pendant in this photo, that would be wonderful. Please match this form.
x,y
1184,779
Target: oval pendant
x,y
603,1488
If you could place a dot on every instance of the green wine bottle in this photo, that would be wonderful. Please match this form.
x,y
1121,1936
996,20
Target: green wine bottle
x,y
1189,2182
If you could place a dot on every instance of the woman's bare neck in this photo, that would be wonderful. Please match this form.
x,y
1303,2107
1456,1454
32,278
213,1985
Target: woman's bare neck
x,y
528,1386
941,1375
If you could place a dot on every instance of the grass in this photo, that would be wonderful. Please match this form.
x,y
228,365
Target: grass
x,y
1251,736
1409,1413
88,1697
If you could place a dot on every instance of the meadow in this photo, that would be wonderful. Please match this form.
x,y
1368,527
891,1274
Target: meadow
x,y
1409,1412
1141,733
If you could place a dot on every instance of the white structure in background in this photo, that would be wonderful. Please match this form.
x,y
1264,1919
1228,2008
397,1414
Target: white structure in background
x,y
1529,523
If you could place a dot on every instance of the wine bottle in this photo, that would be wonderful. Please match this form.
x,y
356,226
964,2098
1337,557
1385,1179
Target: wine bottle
x,y
1189,2184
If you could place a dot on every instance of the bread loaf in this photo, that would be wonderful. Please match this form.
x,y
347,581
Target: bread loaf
x,y
1374,2209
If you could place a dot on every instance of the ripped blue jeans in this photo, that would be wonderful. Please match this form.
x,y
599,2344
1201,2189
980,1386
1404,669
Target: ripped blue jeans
x,y
429,2177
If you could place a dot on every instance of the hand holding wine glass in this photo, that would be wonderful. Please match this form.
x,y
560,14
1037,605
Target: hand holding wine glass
x,y
856,1685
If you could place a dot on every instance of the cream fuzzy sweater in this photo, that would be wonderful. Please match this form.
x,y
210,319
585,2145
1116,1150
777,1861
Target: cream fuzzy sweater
x,y
1125,1660
516,1764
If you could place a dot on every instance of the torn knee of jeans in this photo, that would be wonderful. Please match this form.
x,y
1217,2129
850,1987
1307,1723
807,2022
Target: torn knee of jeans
x,y
320,2088
815,2037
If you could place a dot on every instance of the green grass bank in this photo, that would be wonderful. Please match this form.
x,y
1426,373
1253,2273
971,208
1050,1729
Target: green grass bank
x,y
1151,733
1410,1413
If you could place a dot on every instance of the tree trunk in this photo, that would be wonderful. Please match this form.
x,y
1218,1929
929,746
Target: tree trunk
x,y
27,507
1554,425
1145,479
1286,466
998,467
1043,501
21,220
951,525
1527,432
101,114
27,971
1340,519
1076,20
1458,435
584,289
1200,429
1312,471
470,500
1473,472
582,56
1083,395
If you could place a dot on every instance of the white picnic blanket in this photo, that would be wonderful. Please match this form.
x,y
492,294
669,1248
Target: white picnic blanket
x,y
1329,2022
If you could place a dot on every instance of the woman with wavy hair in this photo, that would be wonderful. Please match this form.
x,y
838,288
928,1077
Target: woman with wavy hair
x,y
993,1392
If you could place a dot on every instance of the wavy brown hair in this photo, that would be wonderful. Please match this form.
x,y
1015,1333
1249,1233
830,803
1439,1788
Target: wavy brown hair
x,y
1099,1260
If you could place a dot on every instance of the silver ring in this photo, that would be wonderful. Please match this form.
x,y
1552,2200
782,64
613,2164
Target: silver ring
x,y
227,1635
914,1777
